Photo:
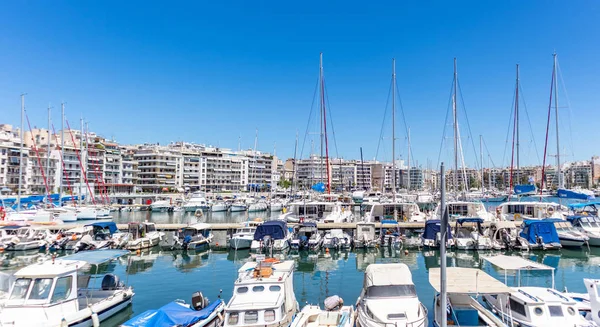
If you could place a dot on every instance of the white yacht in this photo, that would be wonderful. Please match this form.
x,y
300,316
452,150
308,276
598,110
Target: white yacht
x,y
389,297
275,205
243,236
160,206
307,237
197,201
263,295
503,234
517,210
365,235
272,235
405,211
589,225
30,215
256,206
307,211
463,287
568,235
341,213
334,315
219,206
337,239
26,238
238,206
465,209
143,235
468,235
63,214
53,293
532,306
194,237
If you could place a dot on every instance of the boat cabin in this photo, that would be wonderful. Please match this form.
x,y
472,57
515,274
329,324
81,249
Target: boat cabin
x,y
102,231
311,210
376,212
523,210
464,209
139,230
263,295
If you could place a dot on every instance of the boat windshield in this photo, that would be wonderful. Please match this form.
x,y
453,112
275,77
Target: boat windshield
x,y
391,291
20,289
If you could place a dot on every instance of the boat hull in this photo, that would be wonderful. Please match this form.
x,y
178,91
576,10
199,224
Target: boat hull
x,y
237,243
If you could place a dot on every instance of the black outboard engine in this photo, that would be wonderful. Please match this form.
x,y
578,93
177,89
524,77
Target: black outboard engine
x,y
186,242
86,243
199,302
267,241
111,282
336,242
506,239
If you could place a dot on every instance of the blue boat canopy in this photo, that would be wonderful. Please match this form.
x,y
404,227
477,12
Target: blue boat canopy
x,y
432,227
570,194
112,227
583,204
469,220
96,257
172,314
532,229
274,228
389,222
525,189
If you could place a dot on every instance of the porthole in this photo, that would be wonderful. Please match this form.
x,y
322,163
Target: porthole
x,y
538,311
571,311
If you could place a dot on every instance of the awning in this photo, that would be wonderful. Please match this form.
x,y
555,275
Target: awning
x,y
515,263
467,281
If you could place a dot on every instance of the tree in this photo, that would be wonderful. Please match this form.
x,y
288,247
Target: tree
x,y
284,183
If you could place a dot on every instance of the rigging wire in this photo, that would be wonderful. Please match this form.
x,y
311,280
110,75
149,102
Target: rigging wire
x,y
522,95
387,102
448,108
312,107
569,112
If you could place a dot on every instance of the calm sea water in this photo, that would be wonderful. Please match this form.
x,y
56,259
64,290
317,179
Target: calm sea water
x,y
160,277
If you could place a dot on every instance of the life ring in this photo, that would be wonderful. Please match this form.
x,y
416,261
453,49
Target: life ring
x,y
550,211
517,216
198,213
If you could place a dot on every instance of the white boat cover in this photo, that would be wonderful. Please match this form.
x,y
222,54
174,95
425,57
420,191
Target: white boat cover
x,y
467,281
336,233
384,274
506,262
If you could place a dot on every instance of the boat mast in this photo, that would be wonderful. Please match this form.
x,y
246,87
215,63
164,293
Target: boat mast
x,y
21,148
517,126
558,172
443,242
48,150
409,160
62,150
81,161
294,166
481,161
455,115
324,135
394,132
321,110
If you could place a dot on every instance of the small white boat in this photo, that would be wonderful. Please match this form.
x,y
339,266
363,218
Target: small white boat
x,y
336,239
219,206
568,235
143,235
257,206
243,236
588,304
197,201
334,315
52,293
263,295
503,234
271,235
26,238
63,214
307,237
161,206
275,205
365,235
538,235
340,214
238,206
468,235
30,215
389,298
589,225
193,237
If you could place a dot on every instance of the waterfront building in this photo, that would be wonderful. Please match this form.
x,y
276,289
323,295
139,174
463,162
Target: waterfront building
x,y
578,174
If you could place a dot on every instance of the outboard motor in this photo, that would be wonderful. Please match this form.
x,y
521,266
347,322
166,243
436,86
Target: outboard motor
x,y
111,282
267,241
199,302
336,242
303,241
186,242
506,239
10,244
86,243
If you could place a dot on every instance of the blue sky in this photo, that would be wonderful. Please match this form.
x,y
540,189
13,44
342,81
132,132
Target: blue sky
x,y
213,71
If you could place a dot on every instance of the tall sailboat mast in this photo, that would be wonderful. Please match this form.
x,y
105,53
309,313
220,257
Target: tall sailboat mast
x,y
81,161
517,126
394,131
409,181
324,126
455,115
21,148
558,168
62,150
48,150
321,111
481,161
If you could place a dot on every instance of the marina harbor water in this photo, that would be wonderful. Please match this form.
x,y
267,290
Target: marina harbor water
x,y
152,273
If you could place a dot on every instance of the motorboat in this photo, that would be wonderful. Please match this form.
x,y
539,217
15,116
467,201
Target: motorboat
x,y
275,205
238,206
307,237
29,215
503,234
256,206
142,235
6,282
199,313
263,295
520,210
194,237
465,209
335,314
463,287
588,303
337,239
404,212
538,235
53,293
7,233
568,235
243,236
63,214
389,298
390,234
468,235
161,206
219,206
196,202
589,226
432,234
532,306
341,213
271,235
98,235
85,212
307,211
27,238
365,235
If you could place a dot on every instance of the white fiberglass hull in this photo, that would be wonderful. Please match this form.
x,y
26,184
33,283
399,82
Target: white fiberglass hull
x,y
218,208
144,242
238,243
237,208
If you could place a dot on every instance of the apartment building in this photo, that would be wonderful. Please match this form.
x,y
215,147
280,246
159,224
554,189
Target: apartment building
x,y
158,167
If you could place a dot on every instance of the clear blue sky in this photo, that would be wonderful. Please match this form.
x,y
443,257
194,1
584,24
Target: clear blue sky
x,y
211,71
